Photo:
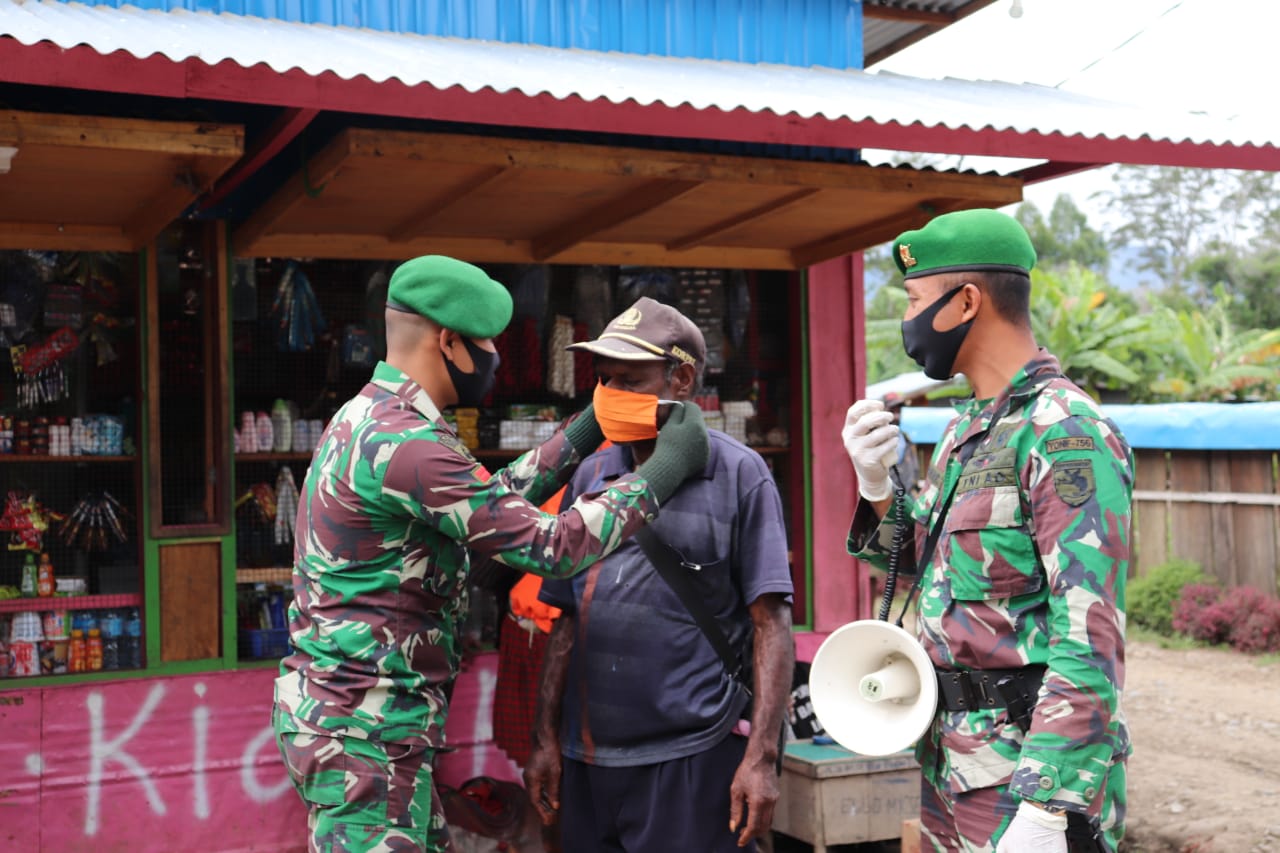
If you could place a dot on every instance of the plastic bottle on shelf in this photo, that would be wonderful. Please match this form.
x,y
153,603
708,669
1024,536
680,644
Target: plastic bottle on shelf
x,y
77,654
46,586
112,628
282,426
265,432
93,650
249,433
131,647
84,620
30,576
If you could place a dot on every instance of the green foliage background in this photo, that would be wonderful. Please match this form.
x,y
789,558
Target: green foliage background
x,y
1209,332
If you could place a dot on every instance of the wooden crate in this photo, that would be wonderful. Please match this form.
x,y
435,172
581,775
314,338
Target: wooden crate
x,y
830,795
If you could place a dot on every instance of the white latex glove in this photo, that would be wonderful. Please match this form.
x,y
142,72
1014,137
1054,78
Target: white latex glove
x,y
1034,830
871,440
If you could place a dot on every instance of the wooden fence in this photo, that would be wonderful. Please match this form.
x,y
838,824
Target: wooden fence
x,y
1220,509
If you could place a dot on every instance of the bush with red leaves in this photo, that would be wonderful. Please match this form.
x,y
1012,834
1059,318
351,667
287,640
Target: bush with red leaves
x,y
1199,613
1244,616
1255,627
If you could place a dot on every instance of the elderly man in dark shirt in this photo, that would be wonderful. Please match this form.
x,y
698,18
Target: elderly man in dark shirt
x,y
639,742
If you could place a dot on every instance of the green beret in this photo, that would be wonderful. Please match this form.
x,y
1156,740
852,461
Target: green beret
x,y
965,240
453,293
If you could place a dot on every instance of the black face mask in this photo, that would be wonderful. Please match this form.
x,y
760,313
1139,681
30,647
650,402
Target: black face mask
x,y
473,387
933,350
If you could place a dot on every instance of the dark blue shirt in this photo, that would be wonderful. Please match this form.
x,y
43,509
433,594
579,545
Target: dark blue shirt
x,y
644,684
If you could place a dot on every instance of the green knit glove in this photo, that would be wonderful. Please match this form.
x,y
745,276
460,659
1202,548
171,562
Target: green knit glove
x,y
682,451
584,433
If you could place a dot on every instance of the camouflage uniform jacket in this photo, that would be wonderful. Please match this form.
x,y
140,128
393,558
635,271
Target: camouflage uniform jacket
x,y
390,508
1029,569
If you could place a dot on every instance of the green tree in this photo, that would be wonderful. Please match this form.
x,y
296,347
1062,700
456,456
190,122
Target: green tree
x,y
1210,360
885,356
1166,214
1176,215
1250,284
1065,237
1089,326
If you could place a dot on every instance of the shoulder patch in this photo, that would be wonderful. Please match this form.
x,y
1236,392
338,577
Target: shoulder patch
x,y
1073,480
455,444
1074,442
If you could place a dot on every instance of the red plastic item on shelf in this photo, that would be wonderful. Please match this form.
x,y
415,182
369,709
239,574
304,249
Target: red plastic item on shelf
x,y
72,602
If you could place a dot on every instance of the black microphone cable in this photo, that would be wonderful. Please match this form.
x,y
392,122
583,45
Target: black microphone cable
x,y
899,542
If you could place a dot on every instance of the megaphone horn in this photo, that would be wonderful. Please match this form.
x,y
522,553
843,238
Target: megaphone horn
x,y
873,687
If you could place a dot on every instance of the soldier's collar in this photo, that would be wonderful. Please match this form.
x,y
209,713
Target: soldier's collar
x,y
393,380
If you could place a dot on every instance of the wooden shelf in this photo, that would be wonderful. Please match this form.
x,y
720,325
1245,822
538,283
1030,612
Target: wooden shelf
x,y
283,575
22,457
71,602
302,456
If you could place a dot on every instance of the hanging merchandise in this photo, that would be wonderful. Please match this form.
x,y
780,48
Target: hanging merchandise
x,y
94,521
560,359
102,334
521,349
41,378
26,519
63,306
286,506
592,298
255,522
357,347
244,290
296,312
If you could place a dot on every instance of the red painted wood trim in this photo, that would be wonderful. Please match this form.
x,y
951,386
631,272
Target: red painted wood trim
x,y
834,304
282,131
83,68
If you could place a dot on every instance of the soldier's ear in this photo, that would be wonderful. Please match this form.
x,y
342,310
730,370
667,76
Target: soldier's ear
x,y
970,301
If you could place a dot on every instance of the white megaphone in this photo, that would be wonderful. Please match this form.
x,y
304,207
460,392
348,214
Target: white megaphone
x,y
873,687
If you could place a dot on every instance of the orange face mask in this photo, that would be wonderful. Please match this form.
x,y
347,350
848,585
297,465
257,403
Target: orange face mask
x,y
625,415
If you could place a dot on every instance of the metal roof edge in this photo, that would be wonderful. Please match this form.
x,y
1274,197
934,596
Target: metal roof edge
x,y
867,99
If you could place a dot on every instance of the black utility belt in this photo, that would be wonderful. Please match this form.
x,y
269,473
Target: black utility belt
x,y
975,689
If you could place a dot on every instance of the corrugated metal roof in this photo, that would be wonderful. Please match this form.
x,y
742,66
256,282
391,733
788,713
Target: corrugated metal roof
x,y
883,98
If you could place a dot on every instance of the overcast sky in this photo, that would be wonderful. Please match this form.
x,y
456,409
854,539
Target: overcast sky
x,y
1213,56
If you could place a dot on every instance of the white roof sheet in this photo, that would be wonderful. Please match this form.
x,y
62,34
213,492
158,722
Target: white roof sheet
x,y
882,98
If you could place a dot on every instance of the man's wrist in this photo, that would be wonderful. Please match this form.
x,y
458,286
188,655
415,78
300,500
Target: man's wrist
x,y
875,492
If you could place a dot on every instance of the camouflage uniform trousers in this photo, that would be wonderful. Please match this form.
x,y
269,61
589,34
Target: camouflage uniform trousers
x,y
365,797
973,821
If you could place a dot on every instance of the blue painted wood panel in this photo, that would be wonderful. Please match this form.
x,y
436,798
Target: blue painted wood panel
x,y
790,32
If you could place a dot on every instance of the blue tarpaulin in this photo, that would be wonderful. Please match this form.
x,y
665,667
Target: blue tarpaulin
x,y
1168,426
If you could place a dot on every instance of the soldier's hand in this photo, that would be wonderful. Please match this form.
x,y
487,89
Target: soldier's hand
x,y
871,440
542,780
1034,830
682,451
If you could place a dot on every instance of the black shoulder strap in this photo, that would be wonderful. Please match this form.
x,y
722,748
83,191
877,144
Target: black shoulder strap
x,y
673,572
935,532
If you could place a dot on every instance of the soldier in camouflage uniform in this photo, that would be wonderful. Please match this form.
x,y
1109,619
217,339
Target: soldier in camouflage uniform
x,y
391,508
1029,490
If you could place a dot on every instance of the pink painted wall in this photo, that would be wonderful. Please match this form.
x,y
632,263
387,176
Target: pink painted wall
x,y
837,377
180,763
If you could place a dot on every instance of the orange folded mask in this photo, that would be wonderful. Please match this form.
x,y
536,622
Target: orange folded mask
x,y
625,415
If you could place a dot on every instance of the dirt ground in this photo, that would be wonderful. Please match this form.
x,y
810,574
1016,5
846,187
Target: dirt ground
x,y
1205,772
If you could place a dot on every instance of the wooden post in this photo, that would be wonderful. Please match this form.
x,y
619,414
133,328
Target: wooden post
x,y
837,377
